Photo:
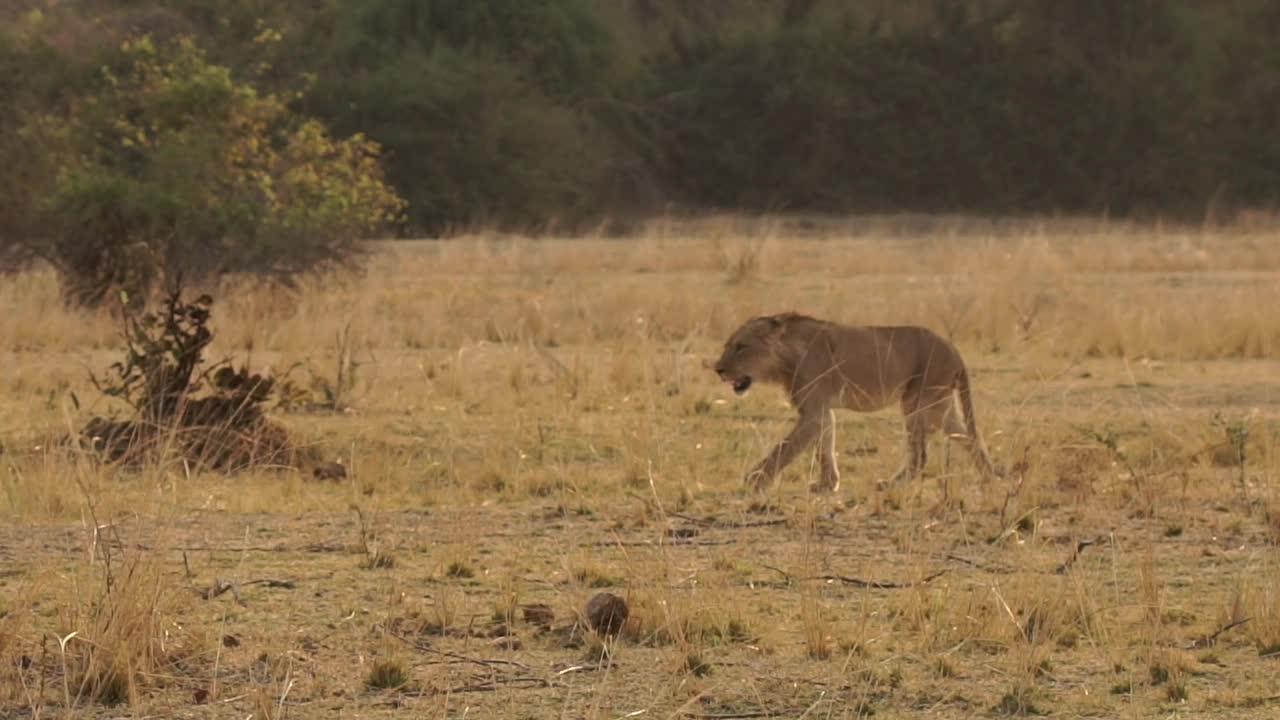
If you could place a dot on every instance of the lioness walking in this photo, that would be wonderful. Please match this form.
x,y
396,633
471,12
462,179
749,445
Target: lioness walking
x,y
824,365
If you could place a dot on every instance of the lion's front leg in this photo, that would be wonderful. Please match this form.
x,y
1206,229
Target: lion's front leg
x,y
830,481
808,427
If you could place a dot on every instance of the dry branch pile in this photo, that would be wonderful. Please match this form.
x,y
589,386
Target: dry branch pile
x,y
211,418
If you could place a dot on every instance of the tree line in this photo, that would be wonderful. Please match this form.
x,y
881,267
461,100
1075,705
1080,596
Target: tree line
x,y
436,115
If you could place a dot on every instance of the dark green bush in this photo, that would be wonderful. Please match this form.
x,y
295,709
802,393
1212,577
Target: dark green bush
x,y
492,111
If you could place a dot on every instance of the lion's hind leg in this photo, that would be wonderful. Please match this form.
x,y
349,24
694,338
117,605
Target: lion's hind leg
x,y
925,413
953,422
953,429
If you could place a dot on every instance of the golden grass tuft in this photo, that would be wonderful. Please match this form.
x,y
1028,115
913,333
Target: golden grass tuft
x,y
387,674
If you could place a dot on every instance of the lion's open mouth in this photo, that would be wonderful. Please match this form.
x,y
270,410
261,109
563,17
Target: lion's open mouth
x,y
742,384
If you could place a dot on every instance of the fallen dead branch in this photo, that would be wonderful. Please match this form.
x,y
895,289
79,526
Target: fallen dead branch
x,y
514,683
1212,638
745,714
715,522
881,584
144,547
455,658
517,683
711,521
580,669
221,586
978,565
1075,555
669,542
494,665
859,582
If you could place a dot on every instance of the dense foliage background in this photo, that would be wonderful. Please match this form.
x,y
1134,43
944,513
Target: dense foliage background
x,y
529,113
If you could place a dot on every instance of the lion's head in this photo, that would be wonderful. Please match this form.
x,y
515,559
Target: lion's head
x,y
750,354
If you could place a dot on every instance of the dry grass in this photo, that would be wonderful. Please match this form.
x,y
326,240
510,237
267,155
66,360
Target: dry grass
x,y
527,420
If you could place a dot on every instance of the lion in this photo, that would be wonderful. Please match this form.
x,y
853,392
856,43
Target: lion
x,y
824,365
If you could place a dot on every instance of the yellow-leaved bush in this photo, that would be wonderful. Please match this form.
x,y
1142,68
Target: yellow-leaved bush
x,y
173,165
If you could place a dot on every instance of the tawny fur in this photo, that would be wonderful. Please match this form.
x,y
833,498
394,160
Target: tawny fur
x,y
824,365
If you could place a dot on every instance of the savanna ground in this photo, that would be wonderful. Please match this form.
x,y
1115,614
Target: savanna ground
x,y
529,421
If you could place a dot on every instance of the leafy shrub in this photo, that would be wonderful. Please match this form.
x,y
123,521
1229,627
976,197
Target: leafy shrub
x,y
173,166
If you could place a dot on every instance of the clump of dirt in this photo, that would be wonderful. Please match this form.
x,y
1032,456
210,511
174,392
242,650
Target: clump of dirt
x,y
606,613
213,418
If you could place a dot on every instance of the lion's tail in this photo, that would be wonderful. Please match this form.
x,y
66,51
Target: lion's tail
x,y
976,447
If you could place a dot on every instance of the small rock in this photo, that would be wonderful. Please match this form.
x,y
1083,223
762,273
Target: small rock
x,y
329,471
538,614
511,642
606,613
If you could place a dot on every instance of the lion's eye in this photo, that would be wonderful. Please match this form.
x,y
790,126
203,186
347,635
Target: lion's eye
x,y
739,347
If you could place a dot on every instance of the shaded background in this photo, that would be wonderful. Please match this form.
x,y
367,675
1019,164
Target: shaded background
x,y
531,114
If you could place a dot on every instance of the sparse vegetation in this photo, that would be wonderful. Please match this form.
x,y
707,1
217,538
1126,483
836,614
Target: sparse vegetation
x,y
498,481
387,675
1019,701
459,569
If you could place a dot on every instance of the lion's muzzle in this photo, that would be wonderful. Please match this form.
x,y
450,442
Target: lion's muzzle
x,y
741,383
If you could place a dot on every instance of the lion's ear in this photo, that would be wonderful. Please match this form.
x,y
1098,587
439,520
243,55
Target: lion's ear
x,y
775,325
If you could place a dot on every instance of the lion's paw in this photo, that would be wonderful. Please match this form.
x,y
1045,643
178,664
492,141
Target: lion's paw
x,y
757,480
823,488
